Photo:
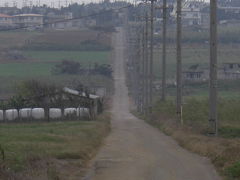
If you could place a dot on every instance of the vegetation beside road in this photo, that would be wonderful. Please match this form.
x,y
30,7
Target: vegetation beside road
x,y
50,150
224,151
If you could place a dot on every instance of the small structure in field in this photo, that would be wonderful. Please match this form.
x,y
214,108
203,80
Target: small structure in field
x,y
194,74
230,71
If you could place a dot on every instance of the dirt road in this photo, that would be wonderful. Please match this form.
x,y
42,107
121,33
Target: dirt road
x,y
135,150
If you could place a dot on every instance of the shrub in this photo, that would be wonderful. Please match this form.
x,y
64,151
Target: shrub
x,y
234,170
67,67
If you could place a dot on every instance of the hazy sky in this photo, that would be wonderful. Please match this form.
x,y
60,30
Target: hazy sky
x,y
55,3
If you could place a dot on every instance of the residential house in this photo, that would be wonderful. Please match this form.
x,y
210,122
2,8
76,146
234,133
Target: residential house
x,y
191,16
230,71
6,21
193,76
32,21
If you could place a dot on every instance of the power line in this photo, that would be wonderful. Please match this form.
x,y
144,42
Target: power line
x,y
66,20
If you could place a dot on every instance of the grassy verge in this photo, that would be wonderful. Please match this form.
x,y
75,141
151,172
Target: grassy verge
x,y
223,151
57,150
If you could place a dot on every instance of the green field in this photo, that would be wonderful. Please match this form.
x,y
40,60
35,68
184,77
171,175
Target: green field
x,y
85,58
26,145
39,65
43,61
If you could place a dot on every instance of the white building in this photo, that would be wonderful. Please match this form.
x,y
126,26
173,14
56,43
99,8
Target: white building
x,y
6,21
28,20
191,16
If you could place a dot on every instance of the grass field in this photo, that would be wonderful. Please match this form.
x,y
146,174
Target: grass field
x,y
42,62
85,58
39,65
37,144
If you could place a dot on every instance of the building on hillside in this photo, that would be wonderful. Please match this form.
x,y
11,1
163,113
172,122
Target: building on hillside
x,y
6,21
32,21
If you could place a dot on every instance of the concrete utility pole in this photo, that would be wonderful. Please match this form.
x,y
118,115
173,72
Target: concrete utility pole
x,y
213,69
146,68
179,61
164,50
151,61
143,69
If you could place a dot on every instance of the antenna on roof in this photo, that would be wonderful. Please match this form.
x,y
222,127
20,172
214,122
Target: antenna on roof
x,y
6,4
30,4
59,4
24,3
14,3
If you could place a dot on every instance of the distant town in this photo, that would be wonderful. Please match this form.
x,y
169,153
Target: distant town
x,y
194,14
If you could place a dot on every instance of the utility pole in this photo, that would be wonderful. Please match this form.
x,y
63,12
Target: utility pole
x,y
179,61
151,61
143,69
146,68
164,50
213,121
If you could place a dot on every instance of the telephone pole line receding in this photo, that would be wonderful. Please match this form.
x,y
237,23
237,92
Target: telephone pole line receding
x,y
164,50
179,61
213,69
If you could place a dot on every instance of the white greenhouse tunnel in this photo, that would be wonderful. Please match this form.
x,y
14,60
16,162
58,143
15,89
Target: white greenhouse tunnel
x,y
11,114
70,111
1,115
55,113
39,113
25,113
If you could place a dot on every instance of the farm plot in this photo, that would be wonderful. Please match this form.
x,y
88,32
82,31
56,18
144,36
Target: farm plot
x,y
39,63
50,150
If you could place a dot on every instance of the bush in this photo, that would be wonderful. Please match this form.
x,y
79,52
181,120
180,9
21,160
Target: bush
x,y
234,170
89,45
67,67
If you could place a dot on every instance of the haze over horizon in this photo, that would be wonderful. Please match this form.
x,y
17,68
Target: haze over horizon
x,y
51,3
